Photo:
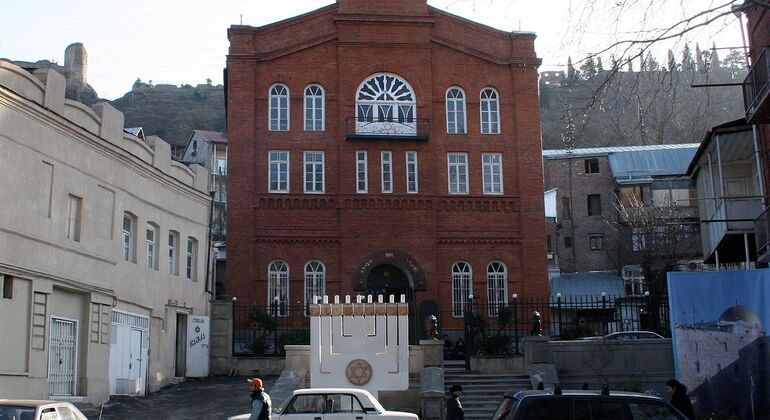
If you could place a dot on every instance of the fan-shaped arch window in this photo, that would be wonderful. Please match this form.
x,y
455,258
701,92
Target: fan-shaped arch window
x,y
314,108
462,277
279,108
278,287
315,282
455,111
497,286
490,112
385,104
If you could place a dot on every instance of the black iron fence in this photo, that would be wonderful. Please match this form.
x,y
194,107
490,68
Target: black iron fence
x,y
485,329
498,329
264,330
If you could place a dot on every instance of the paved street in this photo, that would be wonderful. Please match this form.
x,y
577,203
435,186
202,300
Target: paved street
x,y
213,398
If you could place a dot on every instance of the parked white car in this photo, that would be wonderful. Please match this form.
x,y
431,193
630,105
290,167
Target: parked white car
x,y
39,410
333,404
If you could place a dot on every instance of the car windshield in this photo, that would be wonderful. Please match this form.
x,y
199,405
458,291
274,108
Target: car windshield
x,y
506,409
371,403
16,412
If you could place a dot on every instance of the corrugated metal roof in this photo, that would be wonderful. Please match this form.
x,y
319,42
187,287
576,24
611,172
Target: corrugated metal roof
x,y
574,286
213,136
598,151
646,164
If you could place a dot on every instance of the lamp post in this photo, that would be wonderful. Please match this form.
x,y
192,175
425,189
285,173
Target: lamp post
x,y
514,297
558,308
604,310
275,319
469,345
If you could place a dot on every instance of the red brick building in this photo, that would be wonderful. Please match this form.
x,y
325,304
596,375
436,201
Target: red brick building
x,y
384,147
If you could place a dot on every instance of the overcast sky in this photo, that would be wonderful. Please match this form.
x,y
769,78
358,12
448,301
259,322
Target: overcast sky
x,y
178,42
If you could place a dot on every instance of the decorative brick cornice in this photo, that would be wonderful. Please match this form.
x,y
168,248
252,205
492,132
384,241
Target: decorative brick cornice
x,y
389,202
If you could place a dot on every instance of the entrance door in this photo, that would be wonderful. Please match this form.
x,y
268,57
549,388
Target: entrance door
x,y
129,350
62,355
135,358
181,345
386,280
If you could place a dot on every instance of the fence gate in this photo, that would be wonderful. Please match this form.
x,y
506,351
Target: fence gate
x,y
62,354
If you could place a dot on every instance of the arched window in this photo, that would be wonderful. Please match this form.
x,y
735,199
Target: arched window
x,y
315,281
385,104
497,286
455,111
462,278
279,108
278,287
490,112
314,108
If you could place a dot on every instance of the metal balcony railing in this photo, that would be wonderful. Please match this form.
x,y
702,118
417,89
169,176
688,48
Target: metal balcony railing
x,y
756,89
762,236
387,128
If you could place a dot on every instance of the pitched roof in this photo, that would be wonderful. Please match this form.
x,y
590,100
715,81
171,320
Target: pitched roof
x,y
212,136
645,164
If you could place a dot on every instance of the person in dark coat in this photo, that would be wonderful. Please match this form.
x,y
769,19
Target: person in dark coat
x,y
679,398
261,406
454,410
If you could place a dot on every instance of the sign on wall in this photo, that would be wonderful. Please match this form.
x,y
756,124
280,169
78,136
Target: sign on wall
x,y
198,347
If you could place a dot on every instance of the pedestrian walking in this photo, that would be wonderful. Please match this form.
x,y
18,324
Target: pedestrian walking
x,y
261,406
454,410
679,398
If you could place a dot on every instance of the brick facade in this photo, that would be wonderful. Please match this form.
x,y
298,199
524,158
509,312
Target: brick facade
x,y
423,234
574,185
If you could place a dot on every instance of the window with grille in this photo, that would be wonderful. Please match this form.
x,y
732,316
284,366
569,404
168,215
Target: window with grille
x,y
279,108
314,108
492,166
461,287
458,173
596,242
455,111
497,286
315,282
278,288
490,112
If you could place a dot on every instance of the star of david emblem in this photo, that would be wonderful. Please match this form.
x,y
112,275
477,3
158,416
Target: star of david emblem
x,y
359,372
197,329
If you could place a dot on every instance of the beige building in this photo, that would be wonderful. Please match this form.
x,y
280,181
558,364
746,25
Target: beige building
x,y
103,242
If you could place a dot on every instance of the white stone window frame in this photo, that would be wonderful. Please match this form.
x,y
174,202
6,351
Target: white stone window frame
x,y
129,237
281,180
362,171
369,122
315,281
489,96
277,112
386,167
453,115
191,262
497,287
489,185
460,170
172,253
317,96
462,287
412,172
152,235
278,285
314,172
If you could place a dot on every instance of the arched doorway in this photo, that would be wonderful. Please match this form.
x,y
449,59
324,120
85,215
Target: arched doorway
x,y
387,279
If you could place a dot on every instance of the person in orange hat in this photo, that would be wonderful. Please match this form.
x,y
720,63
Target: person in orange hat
x,y
261,406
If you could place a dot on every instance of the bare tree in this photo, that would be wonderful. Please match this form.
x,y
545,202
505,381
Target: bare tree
x,y
656,237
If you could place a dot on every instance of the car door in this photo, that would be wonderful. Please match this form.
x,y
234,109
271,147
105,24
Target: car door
x,y
304,407
343,407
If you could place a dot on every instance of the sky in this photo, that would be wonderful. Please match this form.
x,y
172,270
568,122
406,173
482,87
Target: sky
x,y
185,42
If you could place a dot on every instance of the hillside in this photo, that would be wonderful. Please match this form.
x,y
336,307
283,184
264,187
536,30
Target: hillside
x,y
172,112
